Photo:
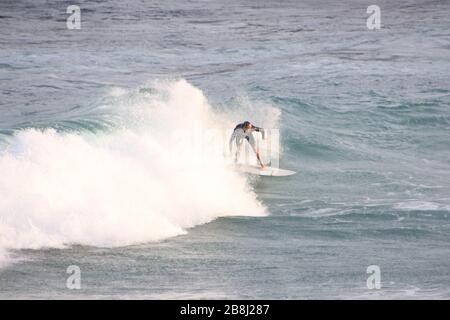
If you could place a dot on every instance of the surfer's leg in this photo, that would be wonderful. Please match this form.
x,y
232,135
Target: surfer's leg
x,y
238,148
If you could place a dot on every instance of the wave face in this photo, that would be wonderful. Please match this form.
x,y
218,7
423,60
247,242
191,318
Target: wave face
x,y
143,179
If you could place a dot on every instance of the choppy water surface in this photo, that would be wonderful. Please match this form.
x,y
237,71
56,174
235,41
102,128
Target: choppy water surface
x,y
90,176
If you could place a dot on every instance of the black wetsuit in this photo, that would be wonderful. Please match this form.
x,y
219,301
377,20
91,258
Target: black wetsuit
x,y
240,133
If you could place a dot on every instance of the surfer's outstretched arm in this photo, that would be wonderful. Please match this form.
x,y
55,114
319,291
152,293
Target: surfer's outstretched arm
x,y
259,160
261,130
251,140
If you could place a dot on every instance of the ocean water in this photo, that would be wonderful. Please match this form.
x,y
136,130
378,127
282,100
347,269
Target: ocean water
x,y
111,149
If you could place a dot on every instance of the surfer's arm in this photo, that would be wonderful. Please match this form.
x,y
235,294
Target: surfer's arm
x,y
252,142
259,160
258,129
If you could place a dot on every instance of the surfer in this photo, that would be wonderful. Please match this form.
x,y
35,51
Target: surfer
x,y
244,131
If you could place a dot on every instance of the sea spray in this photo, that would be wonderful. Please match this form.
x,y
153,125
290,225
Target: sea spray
x,y
129,185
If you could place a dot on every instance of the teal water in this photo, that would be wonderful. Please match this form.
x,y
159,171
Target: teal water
x,y
364,118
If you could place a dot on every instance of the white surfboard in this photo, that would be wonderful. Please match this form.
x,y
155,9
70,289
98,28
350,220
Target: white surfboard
x,y
267,171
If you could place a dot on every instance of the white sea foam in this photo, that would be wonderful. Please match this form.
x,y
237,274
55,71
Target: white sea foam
x,y
136,184
419,205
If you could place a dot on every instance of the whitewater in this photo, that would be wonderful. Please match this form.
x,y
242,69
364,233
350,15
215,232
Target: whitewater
x,y
114,149
145,180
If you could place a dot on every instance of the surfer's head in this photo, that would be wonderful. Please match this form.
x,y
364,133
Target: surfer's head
x,y
247,125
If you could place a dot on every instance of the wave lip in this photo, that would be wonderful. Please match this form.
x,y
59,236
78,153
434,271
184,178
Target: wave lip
x,y
120,187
